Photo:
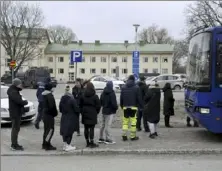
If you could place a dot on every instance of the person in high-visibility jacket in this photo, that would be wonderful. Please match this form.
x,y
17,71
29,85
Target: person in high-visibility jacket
x,y
130,101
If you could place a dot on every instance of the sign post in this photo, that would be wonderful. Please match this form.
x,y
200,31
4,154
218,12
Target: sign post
x,y
12,65
136,63
75,57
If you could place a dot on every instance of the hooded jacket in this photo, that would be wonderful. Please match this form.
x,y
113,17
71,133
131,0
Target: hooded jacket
x,y
16,104
130,95
49,104
108,100
41,88
89,107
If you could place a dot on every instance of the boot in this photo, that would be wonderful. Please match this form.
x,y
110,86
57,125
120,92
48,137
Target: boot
x,y
87,143
93,145
49,147
124,138
135,138
196,124
167,122
152,136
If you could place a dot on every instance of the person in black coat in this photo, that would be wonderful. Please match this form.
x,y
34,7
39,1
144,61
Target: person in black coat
x,y
109,104
152,109
168,104
89,108
49,113
69,121
77,91
16,110
143,90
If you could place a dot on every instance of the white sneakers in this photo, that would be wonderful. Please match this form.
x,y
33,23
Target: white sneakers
x,y
68,148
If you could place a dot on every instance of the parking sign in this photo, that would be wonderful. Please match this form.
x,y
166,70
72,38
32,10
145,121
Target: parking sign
x,y
76,56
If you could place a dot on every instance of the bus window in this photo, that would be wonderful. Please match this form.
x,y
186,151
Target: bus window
x,y
198,70
219,65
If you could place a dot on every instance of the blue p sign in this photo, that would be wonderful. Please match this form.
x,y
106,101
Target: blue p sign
x,y
76,56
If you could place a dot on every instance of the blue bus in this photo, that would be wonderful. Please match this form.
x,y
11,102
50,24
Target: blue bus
x,y
203,92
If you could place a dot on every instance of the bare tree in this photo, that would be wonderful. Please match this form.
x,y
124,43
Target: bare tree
x,y
203,14
59,33
180,53
21,31
155,35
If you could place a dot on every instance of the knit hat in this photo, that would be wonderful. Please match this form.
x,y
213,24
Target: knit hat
x,y
131,77
16,82
109,84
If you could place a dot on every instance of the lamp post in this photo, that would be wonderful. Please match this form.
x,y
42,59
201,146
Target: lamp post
x,y
136,31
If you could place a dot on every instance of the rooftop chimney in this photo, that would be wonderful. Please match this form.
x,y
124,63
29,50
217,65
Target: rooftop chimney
x,y
141,43
80,42
97,42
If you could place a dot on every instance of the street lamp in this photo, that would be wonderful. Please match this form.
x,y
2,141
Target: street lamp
x,y
136,31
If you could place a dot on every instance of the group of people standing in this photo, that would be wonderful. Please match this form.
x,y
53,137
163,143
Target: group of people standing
x,y
137,101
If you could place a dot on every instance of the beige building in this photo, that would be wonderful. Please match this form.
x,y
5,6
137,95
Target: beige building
x,y
105,59
101,59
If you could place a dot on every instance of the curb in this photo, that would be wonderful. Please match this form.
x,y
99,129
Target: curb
x,y
83,152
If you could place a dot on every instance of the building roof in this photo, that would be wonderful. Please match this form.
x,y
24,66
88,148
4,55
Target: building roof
x,y
96,47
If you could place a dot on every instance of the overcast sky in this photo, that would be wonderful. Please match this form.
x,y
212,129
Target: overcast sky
x,y
112,21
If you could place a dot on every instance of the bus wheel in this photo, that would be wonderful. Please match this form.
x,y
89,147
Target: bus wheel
x,y
177,87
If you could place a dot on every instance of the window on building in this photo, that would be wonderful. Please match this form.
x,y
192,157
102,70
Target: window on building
x,y
82,70
61,59
50,70
165,60
124,71
103,71
114,59
113,70
60,70
155,70
155,59
83,59
145,70
71,76
164,71
145,59
92,71
103,59
124,59
92,59
50,59
71,65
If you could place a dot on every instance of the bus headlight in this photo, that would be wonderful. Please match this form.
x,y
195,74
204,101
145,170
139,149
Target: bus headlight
x,y
204,110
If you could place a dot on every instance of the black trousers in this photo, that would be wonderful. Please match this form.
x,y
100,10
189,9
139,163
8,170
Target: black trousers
x,y
40,113
89,132
167,120
139,118
15,130
189,119
78,125
67,139
49,123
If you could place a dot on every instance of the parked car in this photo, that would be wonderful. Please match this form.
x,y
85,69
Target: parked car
x,y
175,81
99,82
5,118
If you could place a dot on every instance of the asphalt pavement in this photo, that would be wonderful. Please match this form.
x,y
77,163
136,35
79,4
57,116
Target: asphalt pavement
x,y
110,163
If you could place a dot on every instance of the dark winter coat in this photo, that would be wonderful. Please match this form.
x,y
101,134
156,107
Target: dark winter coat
x,y
143,88
16,104
130,95
152,105
49,104
39,92
70,110
108,101
89,107
168,103
77,93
